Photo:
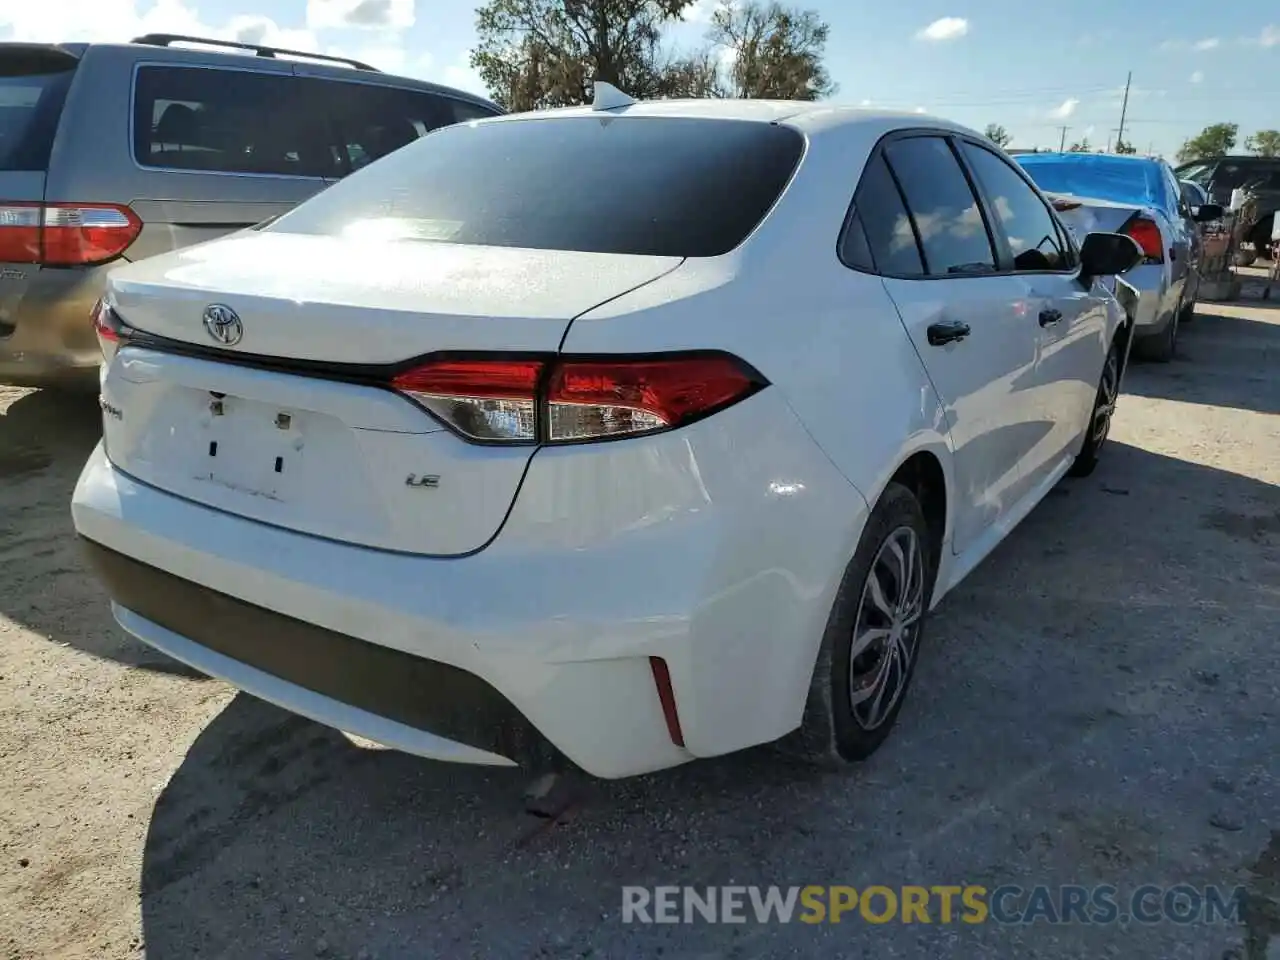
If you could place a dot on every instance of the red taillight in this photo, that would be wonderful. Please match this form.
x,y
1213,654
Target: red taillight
x,y
568,399
590,399
490,400
111,330
1146,233
65,234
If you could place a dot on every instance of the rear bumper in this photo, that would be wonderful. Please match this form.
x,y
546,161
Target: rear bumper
x,y
1153,313
722,558
46,334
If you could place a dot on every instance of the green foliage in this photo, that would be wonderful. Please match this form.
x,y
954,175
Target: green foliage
x,y
997,135
534,54
1213,141
1265,143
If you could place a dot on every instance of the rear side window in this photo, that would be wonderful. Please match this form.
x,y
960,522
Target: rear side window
x,y
662,186
943,207
33,88
883,216
233,121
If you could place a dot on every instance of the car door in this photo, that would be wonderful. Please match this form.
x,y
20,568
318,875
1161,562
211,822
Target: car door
x,y
1069,317
967,321
1181,244
219,149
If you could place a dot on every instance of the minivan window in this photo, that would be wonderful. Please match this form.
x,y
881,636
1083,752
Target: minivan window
x,y
233,121
1022,218
661,186
943,207
374,120
32,91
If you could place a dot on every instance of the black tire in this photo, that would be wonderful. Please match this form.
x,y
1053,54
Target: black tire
x,y
1104,408
835,732
1162,348
1187,312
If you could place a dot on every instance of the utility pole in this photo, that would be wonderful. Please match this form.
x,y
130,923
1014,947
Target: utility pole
x,y
1062,144
1124,107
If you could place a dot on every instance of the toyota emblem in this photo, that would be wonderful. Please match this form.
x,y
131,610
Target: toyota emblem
x,y
223,324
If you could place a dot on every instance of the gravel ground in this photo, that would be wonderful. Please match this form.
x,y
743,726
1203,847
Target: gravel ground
x,y
1098,704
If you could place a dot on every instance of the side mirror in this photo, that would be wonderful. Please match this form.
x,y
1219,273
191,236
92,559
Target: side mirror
x,y
1108,254
1207,212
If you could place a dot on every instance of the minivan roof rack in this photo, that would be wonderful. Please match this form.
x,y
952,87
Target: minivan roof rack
x,y
168,39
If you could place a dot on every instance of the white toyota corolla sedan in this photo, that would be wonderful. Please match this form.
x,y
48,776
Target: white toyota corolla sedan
x,y
627,434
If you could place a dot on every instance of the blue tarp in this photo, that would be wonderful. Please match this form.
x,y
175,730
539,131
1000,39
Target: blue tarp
x,y
1118,179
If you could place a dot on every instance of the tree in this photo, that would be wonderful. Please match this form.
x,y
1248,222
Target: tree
x,y
1123,146
997,135
1080,146
548,53
774,52
1213,141
1265,143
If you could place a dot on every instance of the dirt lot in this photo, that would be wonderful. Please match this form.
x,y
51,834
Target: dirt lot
x,y
1099,704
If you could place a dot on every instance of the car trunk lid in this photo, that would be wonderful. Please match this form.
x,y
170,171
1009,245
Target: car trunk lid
x,y
296,424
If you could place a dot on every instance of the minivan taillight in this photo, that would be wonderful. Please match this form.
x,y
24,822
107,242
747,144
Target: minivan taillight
x,y
576,399
1146,233
65,234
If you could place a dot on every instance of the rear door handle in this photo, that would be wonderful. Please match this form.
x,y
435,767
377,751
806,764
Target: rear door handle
x,y
1049,316
946,331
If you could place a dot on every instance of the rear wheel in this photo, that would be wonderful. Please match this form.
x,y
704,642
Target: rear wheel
x,y
1163,347
872,641
1104,408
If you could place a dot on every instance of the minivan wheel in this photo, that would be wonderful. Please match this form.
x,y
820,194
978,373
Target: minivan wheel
x,y
872,641
1104,408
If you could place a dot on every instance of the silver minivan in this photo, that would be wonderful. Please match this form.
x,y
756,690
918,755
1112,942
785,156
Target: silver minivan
x,y
112,152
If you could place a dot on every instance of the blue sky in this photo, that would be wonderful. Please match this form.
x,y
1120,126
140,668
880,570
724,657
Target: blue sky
x,y
1032,67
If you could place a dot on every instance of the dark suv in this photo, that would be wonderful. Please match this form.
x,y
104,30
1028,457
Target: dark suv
x,y
115,152
1220,175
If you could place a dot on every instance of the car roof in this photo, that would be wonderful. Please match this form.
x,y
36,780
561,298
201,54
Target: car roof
x,y
321,69
808,116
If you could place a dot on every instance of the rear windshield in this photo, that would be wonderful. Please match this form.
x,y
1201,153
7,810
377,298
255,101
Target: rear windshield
x,y
33,86
662,186
1120,180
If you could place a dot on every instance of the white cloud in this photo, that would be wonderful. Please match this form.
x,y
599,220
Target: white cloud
x,y
947,28
360,14
1064,109
700,11
919,110
117,20
1207,43
864,103
1198,77
1270,36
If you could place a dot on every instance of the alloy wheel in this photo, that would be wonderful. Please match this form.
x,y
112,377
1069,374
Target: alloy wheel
x,y
886,629
1108,392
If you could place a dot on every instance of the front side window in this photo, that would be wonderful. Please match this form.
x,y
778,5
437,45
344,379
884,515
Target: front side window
x,y
942,205
661,186
232,121
1021,216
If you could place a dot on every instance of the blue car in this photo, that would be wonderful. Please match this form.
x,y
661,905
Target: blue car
x,y
1140,197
